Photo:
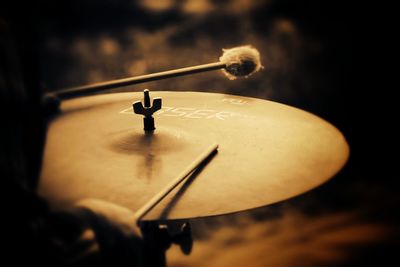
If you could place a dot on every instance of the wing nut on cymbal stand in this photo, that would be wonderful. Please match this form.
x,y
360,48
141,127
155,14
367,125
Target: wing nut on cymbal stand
x,y
147,110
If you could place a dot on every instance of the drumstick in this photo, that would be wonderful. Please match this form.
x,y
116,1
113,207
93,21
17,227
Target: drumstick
x,y
170,186
236,62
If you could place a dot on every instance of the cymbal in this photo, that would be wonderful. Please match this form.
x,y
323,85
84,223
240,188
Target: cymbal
x,y
268,152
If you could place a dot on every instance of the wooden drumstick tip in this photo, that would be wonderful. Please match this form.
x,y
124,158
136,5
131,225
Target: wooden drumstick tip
x,y
139,214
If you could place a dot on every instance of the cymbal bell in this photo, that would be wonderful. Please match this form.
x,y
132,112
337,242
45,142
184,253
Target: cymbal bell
x,y
268,152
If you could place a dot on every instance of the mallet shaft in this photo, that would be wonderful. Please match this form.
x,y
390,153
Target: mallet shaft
x,y
97,87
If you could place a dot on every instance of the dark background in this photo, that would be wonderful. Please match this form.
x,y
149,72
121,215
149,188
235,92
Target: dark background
x,y
319,56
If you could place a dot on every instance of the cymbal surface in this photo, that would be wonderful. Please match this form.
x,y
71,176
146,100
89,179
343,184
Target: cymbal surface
x,y
268,152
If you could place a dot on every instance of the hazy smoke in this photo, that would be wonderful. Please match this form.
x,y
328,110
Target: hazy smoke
x,y
291,240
